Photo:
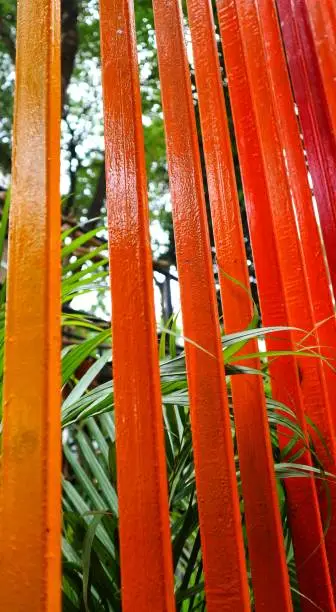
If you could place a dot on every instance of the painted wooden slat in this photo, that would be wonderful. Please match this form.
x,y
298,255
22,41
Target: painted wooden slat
x,y
30,576
264,529
301,193
322,18
307,532
310,97
312,254
221,538
146,558
298,296
310,242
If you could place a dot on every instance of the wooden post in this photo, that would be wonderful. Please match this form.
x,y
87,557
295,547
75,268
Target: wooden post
x,y
264,531
30,574
146,556
220,521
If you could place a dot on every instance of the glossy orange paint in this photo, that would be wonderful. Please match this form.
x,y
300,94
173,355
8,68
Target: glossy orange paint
x,y
311,246
297,292
264,529
310,553
146,557
221,537
30,575
322,17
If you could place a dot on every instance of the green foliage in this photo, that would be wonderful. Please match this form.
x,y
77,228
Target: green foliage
x,y
90,498
91,576
7,49
82,113
91,567
90,543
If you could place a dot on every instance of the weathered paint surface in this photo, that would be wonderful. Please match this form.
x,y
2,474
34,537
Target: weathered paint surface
x,y
146,558
31,463
222,546
264,530
272,273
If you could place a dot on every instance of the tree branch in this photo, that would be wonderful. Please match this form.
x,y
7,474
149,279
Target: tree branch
x,y
69,12
98,198
7,39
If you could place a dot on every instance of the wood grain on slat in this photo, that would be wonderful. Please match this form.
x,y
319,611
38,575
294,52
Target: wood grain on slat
x,y
221,537
275,279
264,530
146,557
30,518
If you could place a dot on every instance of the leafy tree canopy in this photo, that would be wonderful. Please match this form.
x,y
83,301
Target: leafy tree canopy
x,y
83,179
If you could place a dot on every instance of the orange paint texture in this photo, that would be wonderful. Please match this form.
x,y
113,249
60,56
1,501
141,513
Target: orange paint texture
x,y
293,285
146,557
264,530
282,278
30,573
221,538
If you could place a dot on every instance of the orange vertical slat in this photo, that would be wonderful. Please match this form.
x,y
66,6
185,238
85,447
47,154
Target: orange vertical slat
x,y
307,533
222,545
322,17
264,530
31,459
146,559
322,304
298,296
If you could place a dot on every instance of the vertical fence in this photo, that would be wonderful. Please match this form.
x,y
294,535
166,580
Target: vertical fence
x,y
315,116
281,70
222,544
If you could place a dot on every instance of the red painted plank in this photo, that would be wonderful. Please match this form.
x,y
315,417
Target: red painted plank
x,y
264,530
311,246
298,296
319,141
307,532
30,576
221,538
146,559
312,254
322,18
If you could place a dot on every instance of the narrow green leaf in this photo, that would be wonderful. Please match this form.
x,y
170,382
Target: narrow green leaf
x,y
87,546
